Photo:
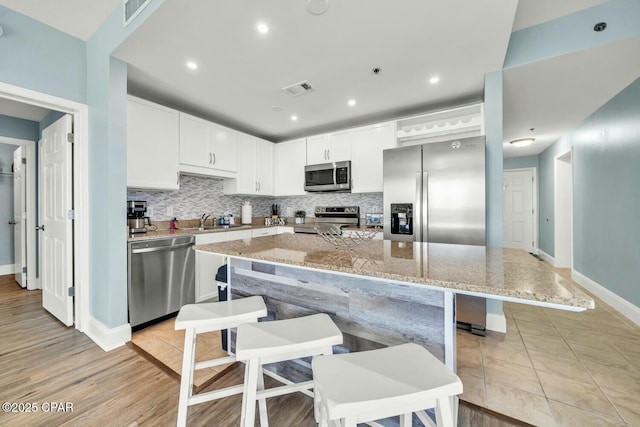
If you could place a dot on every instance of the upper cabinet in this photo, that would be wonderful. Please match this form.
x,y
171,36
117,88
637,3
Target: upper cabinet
x,y
255,168
207,148
153,133
289,167
332,147
367,145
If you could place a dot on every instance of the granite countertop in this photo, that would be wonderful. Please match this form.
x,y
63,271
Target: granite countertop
x,y
501,273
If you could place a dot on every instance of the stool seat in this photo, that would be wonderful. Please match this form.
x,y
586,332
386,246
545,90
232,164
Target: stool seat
x,y
215,316
376,384
206,317
278,340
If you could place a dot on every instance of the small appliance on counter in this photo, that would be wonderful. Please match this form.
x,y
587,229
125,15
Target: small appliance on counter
x,y
136,216
373,219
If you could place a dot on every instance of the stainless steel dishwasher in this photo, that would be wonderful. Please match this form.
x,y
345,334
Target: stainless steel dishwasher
x,y
161,278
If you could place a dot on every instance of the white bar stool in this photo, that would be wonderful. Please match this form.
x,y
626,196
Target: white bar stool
x,y
376,384
207,317
276,341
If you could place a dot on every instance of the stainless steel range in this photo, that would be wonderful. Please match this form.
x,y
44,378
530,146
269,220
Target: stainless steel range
x,y
325,216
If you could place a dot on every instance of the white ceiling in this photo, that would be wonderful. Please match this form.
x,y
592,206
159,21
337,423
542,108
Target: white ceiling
x,y
241,73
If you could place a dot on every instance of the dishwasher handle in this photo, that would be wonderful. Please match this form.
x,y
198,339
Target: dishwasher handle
x,y
160,248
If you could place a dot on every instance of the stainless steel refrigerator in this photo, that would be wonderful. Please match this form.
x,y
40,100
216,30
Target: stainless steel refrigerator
x,y
436,193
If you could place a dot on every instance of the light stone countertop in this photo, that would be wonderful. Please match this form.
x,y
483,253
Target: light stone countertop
x,y
500,273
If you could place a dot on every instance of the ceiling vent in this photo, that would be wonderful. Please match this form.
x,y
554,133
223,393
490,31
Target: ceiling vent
x,y
132,8
299,88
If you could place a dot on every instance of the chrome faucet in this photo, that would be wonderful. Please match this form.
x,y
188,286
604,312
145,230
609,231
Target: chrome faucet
x,y
203,218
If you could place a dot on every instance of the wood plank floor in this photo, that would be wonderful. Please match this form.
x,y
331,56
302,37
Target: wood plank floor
x,y
45,363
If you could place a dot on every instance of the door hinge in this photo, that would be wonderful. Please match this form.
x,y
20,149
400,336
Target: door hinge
x,y
24,160
72,291
24,270
70,138
71,214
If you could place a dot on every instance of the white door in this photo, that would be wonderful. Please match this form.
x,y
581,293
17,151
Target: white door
x,y
55,227
20,217
518,215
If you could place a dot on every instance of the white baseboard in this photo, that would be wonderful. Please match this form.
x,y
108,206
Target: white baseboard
x,y
108,338
620,304
545,256
7,269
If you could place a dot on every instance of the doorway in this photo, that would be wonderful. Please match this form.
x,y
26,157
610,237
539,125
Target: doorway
x,y
563,210
520,227
79,112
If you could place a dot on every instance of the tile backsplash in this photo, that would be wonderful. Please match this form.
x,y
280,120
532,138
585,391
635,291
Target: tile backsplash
x,y
198,195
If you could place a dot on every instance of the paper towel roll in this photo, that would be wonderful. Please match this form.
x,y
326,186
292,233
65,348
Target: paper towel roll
x,y
246,213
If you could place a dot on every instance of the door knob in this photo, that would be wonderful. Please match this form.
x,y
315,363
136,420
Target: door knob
x,y
39,227
12,222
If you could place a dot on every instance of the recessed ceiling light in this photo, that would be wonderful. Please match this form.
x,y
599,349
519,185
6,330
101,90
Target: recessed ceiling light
x,y
294,118
262,28
523,142
351,102
433,80
192,65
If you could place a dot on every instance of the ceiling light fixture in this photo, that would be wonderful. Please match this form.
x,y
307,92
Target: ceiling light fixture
x,y
192,65
522,142
294,118
317,7
351,102
262,28
433,80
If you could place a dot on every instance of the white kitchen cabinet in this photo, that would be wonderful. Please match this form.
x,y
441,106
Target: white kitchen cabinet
x,y
207,148
153,133
207,265
367,144
290,159
238,235
255,167
332,147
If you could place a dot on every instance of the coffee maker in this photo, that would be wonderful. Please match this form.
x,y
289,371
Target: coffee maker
x,y
136,216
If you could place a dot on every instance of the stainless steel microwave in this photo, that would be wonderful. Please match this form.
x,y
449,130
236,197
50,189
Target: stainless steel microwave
x,y
328,177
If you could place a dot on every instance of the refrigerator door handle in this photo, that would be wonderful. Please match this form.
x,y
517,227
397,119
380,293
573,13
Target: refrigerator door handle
x,y
425,207
417,210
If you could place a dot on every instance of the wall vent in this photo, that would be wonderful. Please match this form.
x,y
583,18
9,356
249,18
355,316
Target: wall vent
x,y
299,88
132,8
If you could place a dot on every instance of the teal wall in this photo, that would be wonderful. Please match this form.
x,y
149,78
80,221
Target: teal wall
x,y
41,58
13,127
606,202
494,156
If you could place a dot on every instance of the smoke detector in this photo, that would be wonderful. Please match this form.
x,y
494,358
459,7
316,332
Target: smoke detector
x,y
317,7
299,88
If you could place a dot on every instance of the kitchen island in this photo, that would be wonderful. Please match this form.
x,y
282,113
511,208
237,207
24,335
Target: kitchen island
x,y
386,292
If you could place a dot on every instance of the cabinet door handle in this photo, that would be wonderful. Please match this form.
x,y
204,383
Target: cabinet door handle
x,y
209,158
178,178
214,158
328,154
258,185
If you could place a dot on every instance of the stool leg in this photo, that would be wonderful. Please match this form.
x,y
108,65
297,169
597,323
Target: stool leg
x,y
186,378
406,419
444,416
249,396
262,403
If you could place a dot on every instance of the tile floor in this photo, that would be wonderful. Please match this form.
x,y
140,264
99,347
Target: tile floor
x,y
165,344
556,368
